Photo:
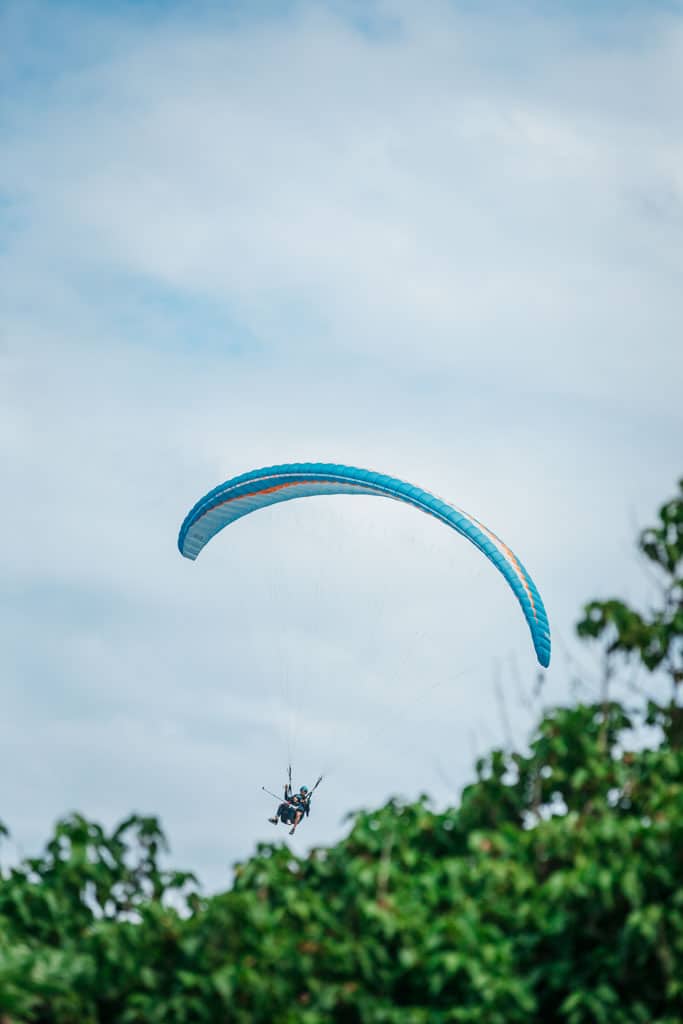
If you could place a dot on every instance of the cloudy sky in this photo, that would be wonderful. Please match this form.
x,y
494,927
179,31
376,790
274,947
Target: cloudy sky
x,y
442,240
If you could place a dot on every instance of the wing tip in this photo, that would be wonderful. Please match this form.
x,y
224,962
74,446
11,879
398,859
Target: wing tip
x,y
543,653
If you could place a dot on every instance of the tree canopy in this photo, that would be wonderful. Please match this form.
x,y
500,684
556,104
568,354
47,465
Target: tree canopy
x,y
552,892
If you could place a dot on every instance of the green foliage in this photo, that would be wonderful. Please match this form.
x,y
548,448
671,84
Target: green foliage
x,y
656,637
551,894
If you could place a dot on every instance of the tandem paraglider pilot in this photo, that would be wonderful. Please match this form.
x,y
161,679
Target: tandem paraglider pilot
x,y
294,806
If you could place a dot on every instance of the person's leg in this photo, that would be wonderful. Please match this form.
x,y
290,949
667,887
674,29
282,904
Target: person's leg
x,y
280,814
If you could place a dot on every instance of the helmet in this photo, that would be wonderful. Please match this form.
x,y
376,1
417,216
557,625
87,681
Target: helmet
x,y
303,789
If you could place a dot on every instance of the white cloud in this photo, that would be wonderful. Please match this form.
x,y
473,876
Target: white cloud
x,y
439,249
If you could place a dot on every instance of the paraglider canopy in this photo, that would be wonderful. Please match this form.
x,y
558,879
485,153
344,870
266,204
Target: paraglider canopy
x,y
261,487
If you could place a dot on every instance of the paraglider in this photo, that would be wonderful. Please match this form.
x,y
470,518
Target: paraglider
x,y
294,805
261,487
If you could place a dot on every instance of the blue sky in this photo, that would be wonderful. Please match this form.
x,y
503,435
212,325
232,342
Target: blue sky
x,y
439,240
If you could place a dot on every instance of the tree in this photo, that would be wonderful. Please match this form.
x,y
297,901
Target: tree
x,y
551,893
654,638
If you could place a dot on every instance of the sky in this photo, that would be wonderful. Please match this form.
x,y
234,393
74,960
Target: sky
x,y
439,240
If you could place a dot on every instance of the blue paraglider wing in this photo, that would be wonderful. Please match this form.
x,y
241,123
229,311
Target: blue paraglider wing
x,y
260,487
